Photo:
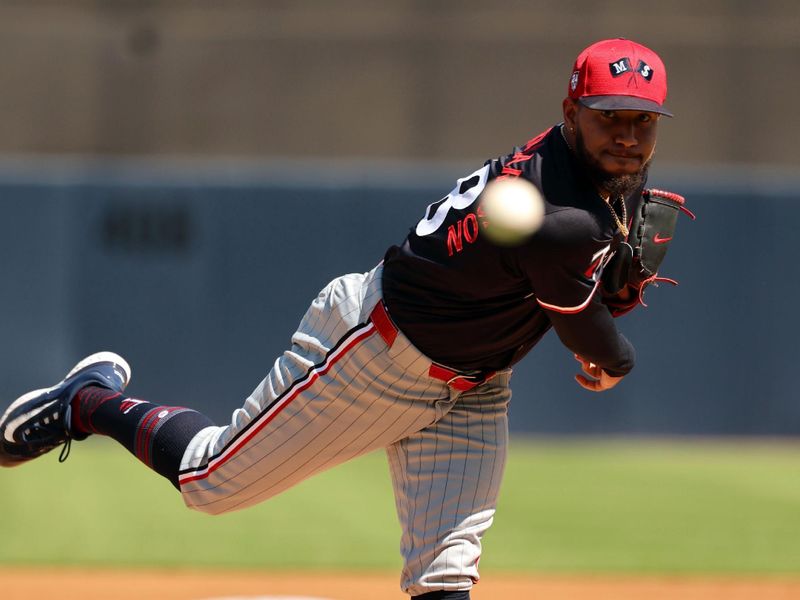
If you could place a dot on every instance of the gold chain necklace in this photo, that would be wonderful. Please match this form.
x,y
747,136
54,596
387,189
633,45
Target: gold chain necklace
x,y
623,229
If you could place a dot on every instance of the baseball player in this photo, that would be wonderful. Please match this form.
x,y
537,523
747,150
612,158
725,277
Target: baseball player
x,y
415,356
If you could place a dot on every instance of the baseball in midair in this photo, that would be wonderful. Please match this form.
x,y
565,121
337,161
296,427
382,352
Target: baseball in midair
x,y
514,210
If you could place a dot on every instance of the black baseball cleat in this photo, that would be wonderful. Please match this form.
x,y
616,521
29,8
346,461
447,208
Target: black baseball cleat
x,y
40,420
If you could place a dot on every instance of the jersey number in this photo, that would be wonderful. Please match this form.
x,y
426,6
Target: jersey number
x,y
463,195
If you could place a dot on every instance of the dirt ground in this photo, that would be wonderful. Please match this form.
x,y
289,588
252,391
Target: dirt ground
x,y
78,584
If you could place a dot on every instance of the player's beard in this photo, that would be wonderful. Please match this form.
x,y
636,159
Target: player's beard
x,y
615,185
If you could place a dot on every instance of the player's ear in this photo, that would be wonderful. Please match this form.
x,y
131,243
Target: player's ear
x,y
570,110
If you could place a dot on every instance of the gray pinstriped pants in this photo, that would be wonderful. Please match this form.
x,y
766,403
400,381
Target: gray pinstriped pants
x,y
341,392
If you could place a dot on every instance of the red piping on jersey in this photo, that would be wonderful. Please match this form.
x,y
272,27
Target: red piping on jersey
x,y
512,171
276,409
519,157
570,310
537,141
524,155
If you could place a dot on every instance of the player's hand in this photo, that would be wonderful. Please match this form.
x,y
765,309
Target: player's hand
x,y
598,380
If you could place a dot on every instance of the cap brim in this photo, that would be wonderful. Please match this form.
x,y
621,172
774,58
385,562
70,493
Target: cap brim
x,y
623,103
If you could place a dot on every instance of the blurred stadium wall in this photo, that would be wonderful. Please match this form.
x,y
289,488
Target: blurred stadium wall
x,y
178,179
199,275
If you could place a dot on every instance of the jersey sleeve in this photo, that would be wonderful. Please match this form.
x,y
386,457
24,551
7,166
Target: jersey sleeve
x,y
592,334
564,261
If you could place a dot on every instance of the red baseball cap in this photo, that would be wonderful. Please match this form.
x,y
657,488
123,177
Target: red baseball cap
x,y
619,74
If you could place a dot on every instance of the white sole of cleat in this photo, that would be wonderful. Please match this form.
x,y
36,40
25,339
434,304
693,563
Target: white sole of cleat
x,y
98,357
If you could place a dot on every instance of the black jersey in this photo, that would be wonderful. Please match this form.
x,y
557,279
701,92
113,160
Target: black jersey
x,y
470,304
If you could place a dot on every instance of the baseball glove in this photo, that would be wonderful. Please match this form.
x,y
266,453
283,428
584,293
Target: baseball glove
x,y
635,263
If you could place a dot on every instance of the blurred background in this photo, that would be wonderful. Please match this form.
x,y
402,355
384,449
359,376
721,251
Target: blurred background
x,y
178,179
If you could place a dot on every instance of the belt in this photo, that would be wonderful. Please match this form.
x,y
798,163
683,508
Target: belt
x,y
457,380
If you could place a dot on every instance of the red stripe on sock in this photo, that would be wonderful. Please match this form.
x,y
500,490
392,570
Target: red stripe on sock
x,y
85,402
77,423
145,426
148,429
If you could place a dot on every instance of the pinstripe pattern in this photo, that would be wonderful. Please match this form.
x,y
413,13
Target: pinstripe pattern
x,y
340,392
446,480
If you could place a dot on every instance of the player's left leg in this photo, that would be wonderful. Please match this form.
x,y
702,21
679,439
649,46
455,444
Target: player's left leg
x,y
90,400
446,480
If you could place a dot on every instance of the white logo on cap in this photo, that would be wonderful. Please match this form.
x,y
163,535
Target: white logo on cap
x,y
623,65
573,82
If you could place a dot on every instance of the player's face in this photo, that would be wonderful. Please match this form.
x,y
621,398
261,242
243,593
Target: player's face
x,y
618,142
614,147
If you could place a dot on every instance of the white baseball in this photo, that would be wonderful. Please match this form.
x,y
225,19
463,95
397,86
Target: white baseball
x,y
514,210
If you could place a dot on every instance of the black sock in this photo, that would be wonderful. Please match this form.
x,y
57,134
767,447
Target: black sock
x,y
157,435
443,595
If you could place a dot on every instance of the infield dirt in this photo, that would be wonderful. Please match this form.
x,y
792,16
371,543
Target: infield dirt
x,y
82,584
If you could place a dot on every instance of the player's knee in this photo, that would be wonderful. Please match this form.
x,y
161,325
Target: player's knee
x,y
210,509
214,504
208,503
220,500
